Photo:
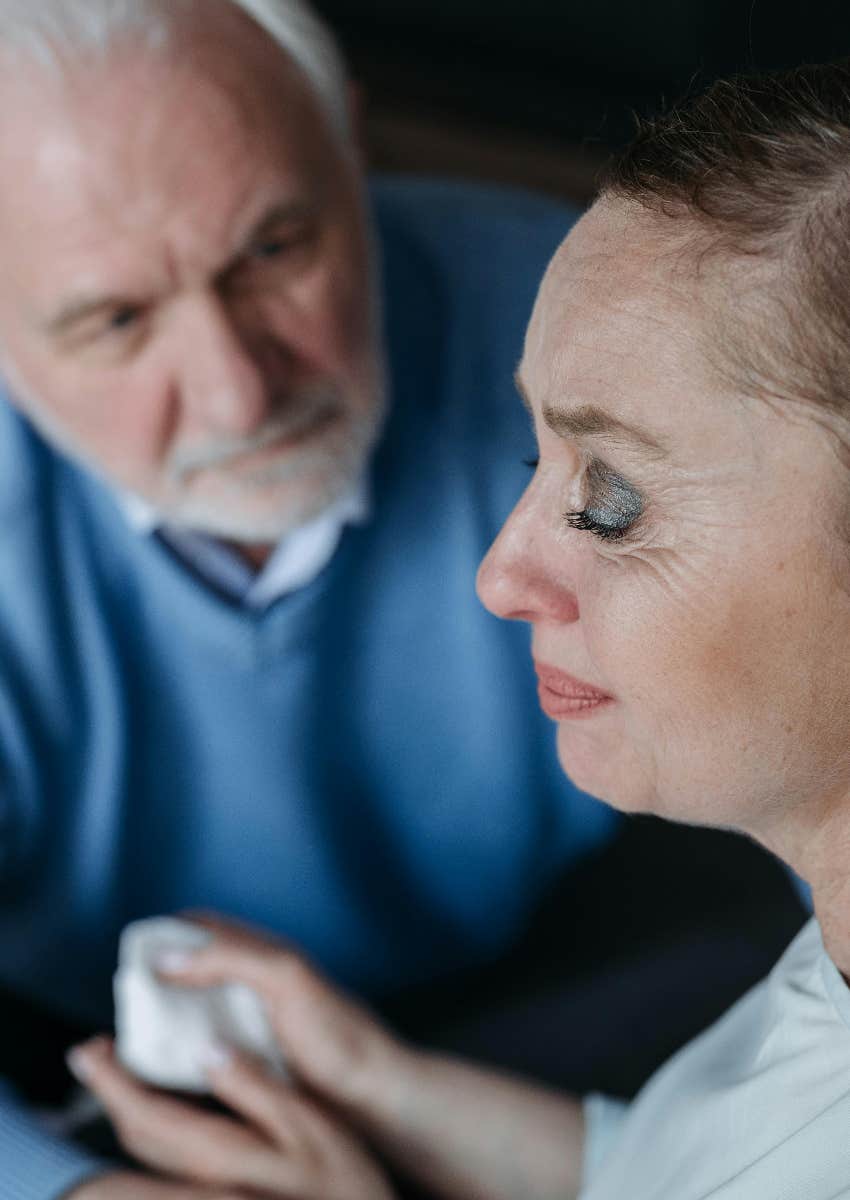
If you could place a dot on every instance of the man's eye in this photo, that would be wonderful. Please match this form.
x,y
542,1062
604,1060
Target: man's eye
x,y
123,318
282,245
271,249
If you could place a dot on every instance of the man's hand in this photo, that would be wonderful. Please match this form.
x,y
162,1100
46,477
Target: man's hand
x,y
126,1185
280,1144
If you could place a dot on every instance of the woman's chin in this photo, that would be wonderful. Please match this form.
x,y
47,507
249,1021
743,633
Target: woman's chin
x,y
604,772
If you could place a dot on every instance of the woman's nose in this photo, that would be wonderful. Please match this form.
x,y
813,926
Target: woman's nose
x,y
525,575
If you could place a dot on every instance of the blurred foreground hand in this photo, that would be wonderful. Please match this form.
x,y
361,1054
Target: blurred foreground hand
x,y
460,1131
281,1140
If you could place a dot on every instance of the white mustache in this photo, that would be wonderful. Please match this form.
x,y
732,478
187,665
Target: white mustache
x,y
301,413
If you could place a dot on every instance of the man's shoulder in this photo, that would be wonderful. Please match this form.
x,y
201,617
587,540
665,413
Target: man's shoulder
x,y
40,487
25,465
458,223
462,263
461,266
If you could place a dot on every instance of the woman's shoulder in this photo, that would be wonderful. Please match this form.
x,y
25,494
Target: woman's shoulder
x,y
740,1109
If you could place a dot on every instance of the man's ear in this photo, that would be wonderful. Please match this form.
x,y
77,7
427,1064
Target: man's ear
x,y
357,119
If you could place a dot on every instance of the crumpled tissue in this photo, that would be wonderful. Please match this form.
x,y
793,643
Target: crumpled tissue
x,y
166,1033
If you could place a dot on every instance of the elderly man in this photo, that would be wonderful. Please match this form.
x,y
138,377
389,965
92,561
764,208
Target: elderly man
x,y
242,662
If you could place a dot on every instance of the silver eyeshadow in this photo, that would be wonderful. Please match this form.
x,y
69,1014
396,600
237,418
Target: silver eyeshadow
x,y
612,503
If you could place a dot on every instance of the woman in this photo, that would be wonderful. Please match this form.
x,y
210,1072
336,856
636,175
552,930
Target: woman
x,y
682,554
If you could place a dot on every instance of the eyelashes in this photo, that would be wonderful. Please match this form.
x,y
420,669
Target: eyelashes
x,y
614,507
586,521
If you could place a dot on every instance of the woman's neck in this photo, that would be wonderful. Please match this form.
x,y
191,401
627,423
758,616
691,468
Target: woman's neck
x,y
818,849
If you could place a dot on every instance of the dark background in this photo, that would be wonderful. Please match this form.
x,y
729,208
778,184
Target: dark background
x,y
539,91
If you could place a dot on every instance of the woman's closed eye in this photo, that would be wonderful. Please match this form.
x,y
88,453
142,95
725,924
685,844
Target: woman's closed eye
x,y
599,525
613,506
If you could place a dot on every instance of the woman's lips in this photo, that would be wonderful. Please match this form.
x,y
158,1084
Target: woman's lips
x,y
562,695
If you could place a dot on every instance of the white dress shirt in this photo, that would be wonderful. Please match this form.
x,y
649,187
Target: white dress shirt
x,y
756,1108
297,560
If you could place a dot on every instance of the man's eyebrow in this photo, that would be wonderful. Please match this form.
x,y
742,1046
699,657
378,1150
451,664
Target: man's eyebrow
x,y
279,214
591,421
83,307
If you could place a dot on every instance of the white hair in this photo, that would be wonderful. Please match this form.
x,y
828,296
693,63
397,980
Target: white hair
x,y
52,31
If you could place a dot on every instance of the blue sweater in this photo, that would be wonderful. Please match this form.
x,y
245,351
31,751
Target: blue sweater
x,y
362,767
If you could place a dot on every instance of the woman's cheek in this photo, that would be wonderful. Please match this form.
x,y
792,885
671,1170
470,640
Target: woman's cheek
x,y
658,637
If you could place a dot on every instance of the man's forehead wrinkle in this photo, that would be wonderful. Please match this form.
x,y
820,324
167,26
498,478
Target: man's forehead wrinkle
x,y
107,196
178,250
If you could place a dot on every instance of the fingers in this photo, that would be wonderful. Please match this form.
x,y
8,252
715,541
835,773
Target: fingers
x,y
330,1043
334,1163
177,1138
291,987
236,956
246,1087
284,1116
291,1149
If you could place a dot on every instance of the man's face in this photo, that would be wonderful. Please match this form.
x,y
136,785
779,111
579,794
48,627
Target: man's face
x,y
187,297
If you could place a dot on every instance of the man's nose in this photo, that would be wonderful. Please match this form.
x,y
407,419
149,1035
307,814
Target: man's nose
x,y
226,381
526,575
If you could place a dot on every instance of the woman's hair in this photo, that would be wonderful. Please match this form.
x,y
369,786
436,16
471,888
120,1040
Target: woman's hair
x,y
759,168
53,32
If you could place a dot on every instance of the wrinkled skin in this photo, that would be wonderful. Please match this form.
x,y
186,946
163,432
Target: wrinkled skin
x,y
720,621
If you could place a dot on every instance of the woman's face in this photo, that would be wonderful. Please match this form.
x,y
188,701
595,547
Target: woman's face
x,y
701,599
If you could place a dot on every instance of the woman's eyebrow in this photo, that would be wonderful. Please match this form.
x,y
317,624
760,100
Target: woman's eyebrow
x,y
588,420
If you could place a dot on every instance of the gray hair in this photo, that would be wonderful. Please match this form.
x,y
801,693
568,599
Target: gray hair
x,y
52,31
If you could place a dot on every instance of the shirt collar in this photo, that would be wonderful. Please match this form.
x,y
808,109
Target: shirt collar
x,y
296,561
